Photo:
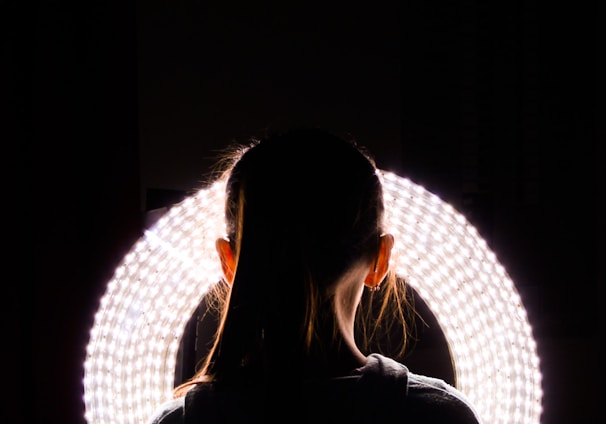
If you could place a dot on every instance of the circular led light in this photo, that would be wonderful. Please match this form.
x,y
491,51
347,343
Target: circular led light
x,y
129,368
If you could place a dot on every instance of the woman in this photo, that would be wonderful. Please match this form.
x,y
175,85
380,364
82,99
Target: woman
x,y
304,217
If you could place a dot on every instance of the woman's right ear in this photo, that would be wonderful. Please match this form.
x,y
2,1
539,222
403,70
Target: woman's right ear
x,y
228,261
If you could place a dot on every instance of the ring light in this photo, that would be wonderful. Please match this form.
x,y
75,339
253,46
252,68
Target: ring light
x,y
131,355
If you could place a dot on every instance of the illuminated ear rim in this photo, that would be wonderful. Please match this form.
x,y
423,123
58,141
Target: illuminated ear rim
x,y
131,355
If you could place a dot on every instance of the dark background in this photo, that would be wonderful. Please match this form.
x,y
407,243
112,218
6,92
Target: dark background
x,y
119,107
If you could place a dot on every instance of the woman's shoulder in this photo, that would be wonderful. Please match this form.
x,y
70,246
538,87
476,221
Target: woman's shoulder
x,y
426,397
170,412
433,397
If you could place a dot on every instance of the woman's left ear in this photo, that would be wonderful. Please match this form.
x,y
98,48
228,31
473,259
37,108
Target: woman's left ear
x,y
228,262
380,266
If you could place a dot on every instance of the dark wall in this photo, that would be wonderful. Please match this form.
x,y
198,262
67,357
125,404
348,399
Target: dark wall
x,y
73,99
496,109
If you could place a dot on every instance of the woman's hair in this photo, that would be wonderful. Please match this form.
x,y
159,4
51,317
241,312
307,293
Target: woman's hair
x,y
301,208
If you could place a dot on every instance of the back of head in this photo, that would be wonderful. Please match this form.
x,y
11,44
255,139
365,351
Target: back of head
x,y
307,196
301,208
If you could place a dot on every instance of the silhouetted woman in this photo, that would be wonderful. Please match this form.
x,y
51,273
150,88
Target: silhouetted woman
x,y
304,217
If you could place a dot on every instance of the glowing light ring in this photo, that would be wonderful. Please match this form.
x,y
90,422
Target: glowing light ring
x,y
131,356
